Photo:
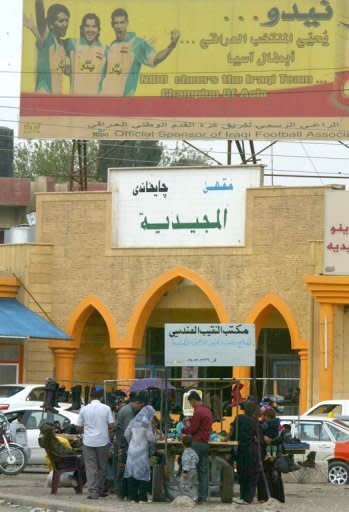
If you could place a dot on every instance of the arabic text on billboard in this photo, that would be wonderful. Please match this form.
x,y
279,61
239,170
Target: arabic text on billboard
x,y
177,69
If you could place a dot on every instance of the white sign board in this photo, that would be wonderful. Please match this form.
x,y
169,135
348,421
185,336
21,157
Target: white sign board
x,y
336,236
210,345
187,207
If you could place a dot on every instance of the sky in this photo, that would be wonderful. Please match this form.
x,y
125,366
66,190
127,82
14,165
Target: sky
x,y
313,162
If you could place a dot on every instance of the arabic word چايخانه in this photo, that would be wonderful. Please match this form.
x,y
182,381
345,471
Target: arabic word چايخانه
x,y
149,187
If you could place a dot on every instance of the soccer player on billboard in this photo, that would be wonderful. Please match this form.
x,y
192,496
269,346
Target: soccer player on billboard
x,y
52,49
126,55
88,58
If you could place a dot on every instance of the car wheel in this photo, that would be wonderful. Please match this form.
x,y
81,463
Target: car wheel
x,y
338,473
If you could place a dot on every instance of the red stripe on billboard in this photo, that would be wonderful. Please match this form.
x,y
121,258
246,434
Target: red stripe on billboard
x,y
317,101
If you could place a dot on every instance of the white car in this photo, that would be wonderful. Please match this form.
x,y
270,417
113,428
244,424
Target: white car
x,y
20,395
32,419
334,408
329,439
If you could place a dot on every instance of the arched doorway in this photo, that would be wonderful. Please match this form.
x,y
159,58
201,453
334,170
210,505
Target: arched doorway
x,y
90,356
179,296
283,344
95,361
275,362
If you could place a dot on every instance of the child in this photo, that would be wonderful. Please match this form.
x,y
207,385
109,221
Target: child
x,y
182,423
270,426
286,435
189,476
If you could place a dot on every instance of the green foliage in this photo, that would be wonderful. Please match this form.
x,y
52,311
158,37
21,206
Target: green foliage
x,y
128,153
49,158
183,156
53,158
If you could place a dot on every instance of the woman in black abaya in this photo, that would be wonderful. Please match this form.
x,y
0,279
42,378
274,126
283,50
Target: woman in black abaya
x,y
270,484
245,431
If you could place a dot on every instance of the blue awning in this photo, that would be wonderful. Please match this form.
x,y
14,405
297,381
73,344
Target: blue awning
x,y
17,321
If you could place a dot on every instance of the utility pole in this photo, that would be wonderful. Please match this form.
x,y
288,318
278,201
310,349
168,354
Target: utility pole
x,y
78,169
230,142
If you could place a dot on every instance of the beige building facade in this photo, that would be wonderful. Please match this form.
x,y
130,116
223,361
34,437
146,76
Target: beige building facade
x,y
114,302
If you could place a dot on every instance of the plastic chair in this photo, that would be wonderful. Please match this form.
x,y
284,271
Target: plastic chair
x,y
66,465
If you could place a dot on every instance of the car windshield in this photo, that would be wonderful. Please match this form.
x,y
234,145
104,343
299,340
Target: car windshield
x,y
8,391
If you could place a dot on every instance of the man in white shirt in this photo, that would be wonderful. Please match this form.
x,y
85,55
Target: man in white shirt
x,y
96,422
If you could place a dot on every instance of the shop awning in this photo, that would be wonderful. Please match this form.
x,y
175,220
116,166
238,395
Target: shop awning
x,y
17,321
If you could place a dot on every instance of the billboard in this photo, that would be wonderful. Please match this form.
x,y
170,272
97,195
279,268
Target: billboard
x,y
176,69
186,207
336,235
210,345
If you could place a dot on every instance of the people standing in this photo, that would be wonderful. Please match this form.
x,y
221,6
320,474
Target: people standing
x,y
124,416
271,485
245,431
200,429
96,422
140,434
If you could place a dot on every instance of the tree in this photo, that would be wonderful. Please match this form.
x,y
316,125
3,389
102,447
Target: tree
x,y
127,153
49,158
183,156
53,158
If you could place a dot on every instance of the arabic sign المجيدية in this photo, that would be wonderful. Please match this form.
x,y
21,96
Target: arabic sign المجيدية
x,y
187,207
336,232
210,345
160,70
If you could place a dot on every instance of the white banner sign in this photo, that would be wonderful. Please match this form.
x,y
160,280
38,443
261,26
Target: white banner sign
x,y
187,207
210,345
336,236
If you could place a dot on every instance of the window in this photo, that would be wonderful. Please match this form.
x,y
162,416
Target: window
x,y
311,432
11,416
36,394
143,373
9,352
7,391
326,409
338,434
33,419
11,361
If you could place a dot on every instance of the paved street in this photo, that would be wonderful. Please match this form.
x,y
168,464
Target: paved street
x,y
28,491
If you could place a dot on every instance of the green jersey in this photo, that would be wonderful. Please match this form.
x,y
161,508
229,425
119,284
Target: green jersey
x,y
52,56
124,61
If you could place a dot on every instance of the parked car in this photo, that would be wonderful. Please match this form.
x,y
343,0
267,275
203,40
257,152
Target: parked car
x,y
333,408
20,395
329,439
32,419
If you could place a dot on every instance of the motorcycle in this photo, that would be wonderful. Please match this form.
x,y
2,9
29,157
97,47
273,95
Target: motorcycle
x,y
12,455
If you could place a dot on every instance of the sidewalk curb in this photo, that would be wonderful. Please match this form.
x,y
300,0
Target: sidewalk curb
x,y
55,504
